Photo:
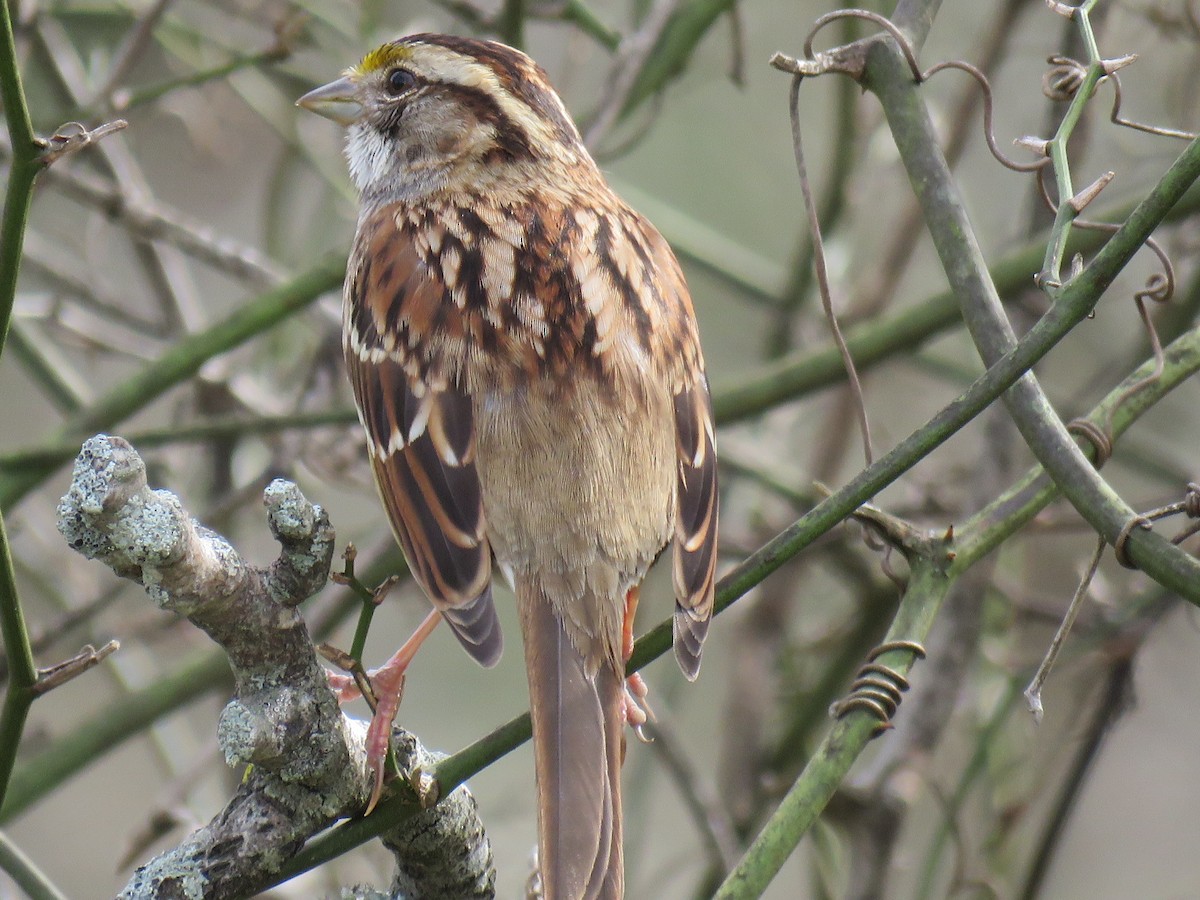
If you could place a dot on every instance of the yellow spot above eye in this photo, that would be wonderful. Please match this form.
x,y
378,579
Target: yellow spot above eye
x,y
383,57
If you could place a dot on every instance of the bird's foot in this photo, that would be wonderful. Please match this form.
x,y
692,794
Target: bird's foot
x,y
382,688
636,710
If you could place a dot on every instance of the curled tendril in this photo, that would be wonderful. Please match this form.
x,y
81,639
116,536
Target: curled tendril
x,y
1100,439
1191,501
1063,79
1159,288
1116,119
877,689
1189,506
989,134
882,21
1121,544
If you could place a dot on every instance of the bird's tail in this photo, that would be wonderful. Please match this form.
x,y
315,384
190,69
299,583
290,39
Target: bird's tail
x,y
578,729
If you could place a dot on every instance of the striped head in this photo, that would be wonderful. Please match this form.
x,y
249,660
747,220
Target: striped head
x,y
431,112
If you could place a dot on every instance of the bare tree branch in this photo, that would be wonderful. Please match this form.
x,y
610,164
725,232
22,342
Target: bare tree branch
x,y
307,762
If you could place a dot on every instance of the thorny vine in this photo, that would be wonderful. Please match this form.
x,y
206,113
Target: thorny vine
x,y
1066,80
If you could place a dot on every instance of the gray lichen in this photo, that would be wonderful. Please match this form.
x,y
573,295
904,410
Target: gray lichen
x,y
307,760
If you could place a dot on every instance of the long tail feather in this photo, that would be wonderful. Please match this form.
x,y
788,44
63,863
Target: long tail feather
x,y
577,732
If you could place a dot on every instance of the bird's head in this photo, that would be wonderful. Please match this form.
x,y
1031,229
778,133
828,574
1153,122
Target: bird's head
x,y
430,111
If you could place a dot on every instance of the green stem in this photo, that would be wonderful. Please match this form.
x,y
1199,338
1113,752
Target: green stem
x,y
47,457
25,873
679,39
26,163
1065,214
149,94
842,745
366,611
22,673
17,198
585,19
1034,491
888,77
511,23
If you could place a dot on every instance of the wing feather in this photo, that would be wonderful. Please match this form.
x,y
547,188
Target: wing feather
x,y
420,434
695,524
696,501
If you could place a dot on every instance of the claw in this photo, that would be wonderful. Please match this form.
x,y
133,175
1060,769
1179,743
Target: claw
x,y
388,683
382,688
636,709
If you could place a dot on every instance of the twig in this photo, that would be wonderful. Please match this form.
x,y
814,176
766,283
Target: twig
x,y
60,673
632,55
149,220
1033,693
128,53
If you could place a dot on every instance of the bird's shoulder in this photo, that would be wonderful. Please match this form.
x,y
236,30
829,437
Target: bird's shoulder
x,y
534,283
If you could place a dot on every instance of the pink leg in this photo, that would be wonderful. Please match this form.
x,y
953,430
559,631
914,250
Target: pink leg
x,y
637,710
387,683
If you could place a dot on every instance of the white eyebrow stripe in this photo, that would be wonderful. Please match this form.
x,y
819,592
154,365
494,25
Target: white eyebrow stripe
x,y
437,63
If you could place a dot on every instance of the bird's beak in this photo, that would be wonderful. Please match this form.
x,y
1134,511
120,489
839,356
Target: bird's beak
x,y
337,100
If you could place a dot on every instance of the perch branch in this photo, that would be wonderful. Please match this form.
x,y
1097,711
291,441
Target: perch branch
x,y
307,760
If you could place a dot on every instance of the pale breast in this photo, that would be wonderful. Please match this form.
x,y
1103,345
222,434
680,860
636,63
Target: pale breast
x,y
578,483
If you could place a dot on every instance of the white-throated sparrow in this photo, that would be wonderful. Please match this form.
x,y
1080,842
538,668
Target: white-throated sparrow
x,y
526,363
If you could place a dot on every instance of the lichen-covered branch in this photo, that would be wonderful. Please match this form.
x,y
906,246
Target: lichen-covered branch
x,y
307,759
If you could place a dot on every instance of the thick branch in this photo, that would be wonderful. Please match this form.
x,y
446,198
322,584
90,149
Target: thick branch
x,y
307,759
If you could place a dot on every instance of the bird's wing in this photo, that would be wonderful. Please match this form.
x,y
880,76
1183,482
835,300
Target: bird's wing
x,y
695,523
420,429
695,555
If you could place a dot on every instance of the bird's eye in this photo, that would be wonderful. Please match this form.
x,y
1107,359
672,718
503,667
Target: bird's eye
x,y
399,81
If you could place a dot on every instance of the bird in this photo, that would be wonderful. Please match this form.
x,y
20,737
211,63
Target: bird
x,y
526,363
